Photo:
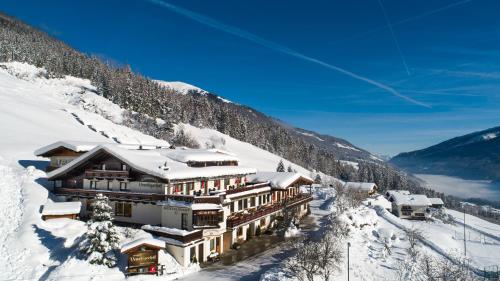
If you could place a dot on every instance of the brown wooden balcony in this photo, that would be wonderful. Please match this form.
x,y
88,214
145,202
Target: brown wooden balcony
x,y
240,218
112,195
135,196
107,174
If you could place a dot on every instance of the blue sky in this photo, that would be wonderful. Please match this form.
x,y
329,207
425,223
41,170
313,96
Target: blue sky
x,y
334,67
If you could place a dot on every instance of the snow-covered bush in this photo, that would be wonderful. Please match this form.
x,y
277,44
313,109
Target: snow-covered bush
x,y
101,238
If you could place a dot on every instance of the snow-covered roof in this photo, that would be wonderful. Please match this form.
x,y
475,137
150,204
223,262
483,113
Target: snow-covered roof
x,y
391,192
248,192
364,186
436,201
277,180
148,241
155,162
76,146
84,146
411,199
200,155
168,230
61,208
205,206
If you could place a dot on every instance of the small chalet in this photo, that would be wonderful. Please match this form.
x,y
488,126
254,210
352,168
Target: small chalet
x,y
368,187
63,152
142,256
409,206
55,210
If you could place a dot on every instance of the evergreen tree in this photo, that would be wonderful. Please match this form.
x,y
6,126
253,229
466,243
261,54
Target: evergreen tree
x,y
101,238
317,179
289,169
281,167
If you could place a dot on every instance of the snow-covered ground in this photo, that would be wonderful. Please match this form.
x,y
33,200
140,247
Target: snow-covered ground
x,y
35,111
462,188
372,227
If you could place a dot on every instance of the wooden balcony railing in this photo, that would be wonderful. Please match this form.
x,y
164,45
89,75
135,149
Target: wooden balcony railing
x,y
107,174
239,218
135,196
112,195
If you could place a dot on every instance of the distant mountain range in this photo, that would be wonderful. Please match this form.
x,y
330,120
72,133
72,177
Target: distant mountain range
x,y
472,156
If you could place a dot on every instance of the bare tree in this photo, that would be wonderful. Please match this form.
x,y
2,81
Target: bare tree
x,y
413,235
330,255
304,265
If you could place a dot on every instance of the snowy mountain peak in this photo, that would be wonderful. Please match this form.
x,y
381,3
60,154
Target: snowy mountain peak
x,y
181,87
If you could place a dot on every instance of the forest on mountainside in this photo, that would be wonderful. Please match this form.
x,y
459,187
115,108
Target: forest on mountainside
x,y
145,101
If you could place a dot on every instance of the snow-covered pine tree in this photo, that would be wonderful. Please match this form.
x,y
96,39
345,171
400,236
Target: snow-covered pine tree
x,y
317,179
101,238
281,167
289,169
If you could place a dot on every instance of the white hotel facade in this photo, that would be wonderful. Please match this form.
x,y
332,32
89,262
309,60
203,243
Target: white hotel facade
x,y
199,201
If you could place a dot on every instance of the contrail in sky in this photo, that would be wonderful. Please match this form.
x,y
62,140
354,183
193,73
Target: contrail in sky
x,y
410,19
394,37
277,47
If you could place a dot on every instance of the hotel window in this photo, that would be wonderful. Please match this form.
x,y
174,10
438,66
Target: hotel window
x,y
103,166
262,222
239,232
245,203
177,188
110,185
226,183
240,205
217,184
232,207
93,184
123,209
252,202
124,167
123,186
58,183
238,181
190,185
212,245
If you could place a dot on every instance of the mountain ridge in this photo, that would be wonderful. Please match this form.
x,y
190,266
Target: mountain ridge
x,y
472,156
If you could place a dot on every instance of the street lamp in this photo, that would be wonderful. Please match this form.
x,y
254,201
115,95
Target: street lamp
x,y
465,242
348,246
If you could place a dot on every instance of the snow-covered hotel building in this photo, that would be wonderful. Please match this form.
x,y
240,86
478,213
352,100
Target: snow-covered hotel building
x,y
199,201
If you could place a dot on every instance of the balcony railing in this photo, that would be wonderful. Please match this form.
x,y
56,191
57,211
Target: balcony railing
x,y
107,174
135,196
240,218
113,195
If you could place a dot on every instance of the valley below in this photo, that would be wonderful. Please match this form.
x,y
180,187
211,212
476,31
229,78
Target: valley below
x,y
483,189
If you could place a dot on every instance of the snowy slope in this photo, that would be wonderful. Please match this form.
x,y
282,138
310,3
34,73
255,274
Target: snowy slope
x,y
36,111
